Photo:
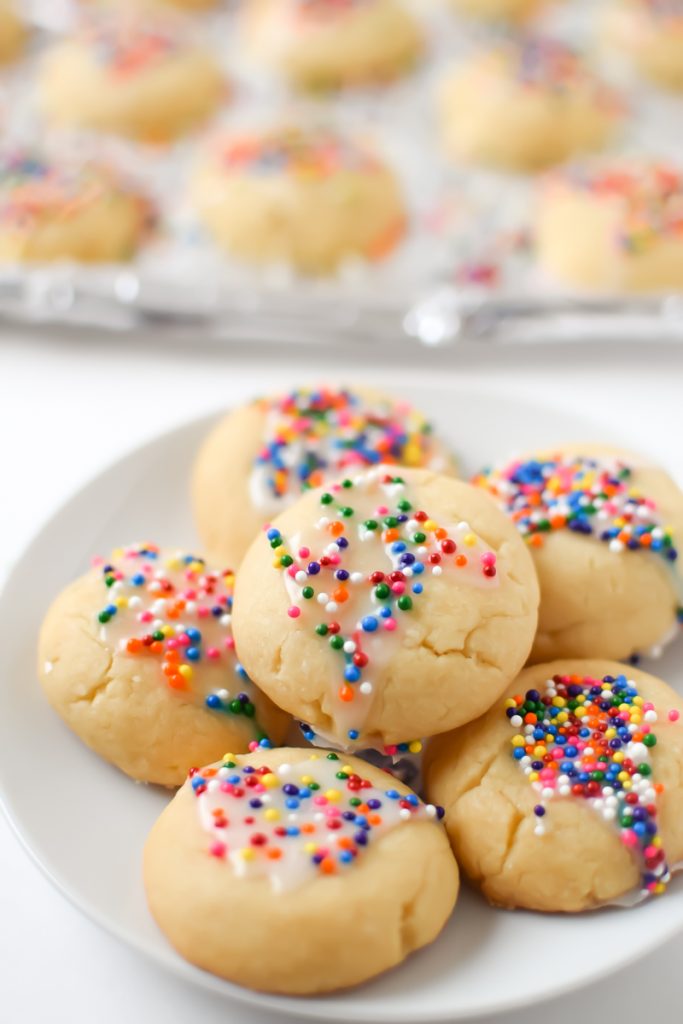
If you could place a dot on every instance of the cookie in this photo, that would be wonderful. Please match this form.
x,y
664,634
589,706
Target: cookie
x,y
603,527
82,212
13,32
324,44
329,864
499,10
612,228
262,456
130,79
568,794
305,198
526,105
650,34
138,658
389,607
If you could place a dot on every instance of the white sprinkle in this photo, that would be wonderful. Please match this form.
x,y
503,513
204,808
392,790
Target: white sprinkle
x,y
301,576
47,667
650,716
134,602
365,688
284,769
516,720
349,647
323,598
436,570
616,545
404,813
331,606
356,577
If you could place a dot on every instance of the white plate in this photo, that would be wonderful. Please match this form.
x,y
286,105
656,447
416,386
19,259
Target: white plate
x,y
85,823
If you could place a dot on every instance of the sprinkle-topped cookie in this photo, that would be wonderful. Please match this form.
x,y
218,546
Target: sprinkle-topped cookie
x,y
312,435
173,608
128,48
356,576
542,63
312,154
592,739
315,817
589,496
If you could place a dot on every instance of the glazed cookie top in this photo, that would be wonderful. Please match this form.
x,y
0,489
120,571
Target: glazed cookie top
x,y
297,821
312,435
546,64
650,198
354,575
32,187
588,495
591,739
173,608
306,155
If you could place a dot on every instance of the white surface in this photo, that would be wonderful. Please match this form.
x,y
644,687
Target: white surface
x,y
63,413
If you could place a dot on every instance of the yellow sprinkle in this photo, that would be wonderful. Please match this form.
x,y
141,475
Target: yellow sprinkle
x,y
638,701
610,734
168,630
618,756
348,768
623,776
121,602
272,814
415,747
185,671
269,781
247,853
533,777
307,779
563,717
660,888
656,841
333,795
627,784
310,847
228,757
559,702
117,553
510,703
518,741
429,525
540,750
470,539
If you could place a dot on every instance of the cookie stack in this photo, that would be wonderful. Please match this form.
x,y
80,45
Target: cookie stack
x,y
379,602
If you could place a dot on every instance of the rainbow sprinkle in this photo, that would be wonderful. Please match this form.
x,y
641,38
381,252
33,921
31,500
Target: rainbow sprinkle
x,y
299,821
126,49
592,739
356,613
174,609
307,155
312,435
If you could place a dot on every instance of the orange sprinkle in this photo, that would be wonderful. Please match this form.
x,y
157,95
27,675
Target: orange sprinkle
x,y
340,595
134,646
274,853
460,561
336,528
346,693
327,866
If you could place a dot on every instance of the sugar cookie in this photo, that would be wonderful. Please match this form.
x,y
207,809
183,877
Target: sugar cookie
x,y
309,199
603,528
138,658
337,870
526,105
650,33
325,44
386,607
81,212
567,795
262,456
498,10
130,79
616,229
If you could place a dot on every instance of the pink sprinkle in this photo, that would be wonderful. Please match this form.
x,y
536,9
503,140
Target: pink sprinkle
x,y
97,560
629,838
651,851
218,849
674,715
253,746
184,640
203,612
229,643
172,643
320,801
398,587
390,625
226,787
191,595
294,612
382,510
292,571
648,706
391,750
488,558
304,552
213,652
146,617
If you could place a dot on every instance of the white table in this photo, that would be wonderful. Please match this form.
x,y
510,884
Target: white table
x,y
68,408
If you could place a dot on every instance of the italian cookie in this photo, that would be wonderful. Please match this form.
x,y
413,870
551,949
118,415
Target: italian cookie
x,y
602,526
307,199
499,10
325,44
130,79
84,212
650,34
612,228
138,658
13,32
329,864
262,456
526,105
388,607
567,795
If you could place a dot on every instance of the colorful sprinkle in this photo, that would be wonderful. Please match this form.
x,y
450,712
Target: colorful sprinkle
x,y
592,739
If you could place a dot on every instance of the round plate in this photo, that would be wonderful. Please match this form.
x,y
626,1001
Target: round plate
x,y
85,823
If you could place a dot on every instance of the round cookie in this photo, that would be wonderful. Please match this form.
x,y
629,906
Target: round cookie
x,y
567,795
499,10
650,33
526,105
615,229
262,456
82,212
131,79
13,32
309,199
603,528
138,658
361,876
324,44
386,608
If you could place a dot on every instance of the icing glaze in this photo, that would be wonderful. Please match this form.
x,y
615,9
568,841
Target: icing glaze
x,y
298,821
313,435
592,739
355,575
171,607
